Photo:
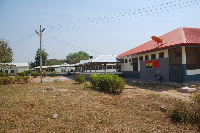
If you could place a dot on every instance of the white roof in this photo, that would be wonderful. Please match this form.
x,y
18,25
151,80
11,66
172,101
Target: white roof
x,y
17,64
106,59
100,59
55,66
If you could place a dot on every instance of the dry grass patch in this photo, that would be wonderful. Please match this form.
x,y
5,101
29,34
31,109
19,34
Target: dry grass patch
x,y
30,107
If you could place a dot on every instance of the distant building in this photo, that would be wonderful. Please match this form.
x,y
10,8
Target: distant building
x,y
100,64
59,69
177,59
15,68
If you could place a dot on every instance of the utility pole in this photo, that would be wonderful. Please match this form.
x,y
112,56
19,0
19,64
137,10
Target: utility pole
x,y
40,54
40,34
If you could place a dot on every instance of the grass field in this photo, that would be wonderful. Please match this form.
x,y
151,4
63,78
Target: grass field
x,y
30,108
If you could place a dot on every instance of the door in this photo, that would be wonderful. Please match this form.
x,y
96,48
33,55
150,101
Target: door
x,y
176,74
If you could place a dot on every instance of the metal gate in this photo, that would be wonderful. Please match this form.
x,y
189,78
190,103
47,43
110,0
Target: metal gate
x,y
176,74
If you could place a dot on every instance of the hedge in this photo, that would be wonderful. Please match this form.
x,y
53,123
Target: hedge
x,y
80,79
108,82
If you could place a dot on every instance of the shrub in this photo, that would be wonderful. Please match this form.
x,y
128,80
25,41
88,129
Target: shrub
x,y
29,71
85,85
53,74
44,73
108,82
18,79
2,74
26,79
180,112
35,74
80,79
26,72
21,74
6,80
187,112
10,74
94,79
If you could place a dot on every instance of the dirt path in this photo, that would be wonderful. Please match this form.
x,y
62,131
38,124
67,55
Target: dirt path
x,y
49,79
167,93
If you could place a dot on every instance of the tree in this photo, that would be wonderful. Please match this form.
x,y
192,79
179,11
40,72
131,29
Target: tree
x,y
6,53
37,58
51,62
73,58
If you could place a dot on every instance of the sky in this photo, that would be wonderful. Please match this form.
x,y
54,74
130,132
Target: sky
x,y
93,26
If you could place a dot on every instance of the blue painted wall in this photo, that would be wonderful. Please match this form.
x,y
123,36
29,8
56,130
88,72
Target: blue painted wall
x,y
131,74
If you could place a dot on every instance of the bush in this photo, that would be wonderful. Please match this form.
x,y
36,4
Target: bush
x,y
2,74
10,74
94,80
85,85
44,73
18,79
53,74
35,74
180,112
29,71
26,79
108,82
23,74
80,79
187,112
6,80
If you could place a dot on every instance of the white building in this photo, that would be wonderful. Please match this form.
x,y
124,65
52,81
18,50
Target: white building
x,y
14,68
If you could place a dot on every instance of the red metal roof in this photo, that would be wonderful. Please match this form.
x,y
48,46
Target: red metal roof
x,y
178,36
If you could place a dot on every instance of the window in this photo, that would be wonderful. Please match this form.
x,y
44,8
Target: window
x,y
141,58
6,71
130,60
192,57
135,64
126,61
153,56
175,57
109,67
161,55
146,57
12,71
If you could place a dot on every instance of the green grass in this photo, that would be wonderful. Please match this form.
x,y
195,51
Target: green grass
x,y
29,108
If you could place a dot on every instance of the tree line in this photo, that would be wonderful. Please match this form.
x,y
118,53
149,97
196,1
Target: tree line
x,y
6,56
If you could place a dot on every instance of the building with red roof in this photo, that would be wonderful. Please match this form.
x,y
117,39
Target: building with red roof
x,y
174,58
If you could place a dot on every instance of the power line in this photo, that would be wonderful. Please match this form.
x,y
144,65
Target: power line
x,y
71,45
145,11
20,41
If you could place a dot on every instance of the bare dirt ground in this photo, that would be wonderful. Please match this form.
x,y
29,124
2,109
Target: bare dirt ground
x,y
164,90
65,106
172,93
49,79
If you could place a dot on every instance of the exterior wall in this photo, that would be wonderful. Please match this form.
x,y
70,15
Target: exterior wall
x,y
58,69
131,74
148,73
21,69
191,63
16,69
9,70
127,68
